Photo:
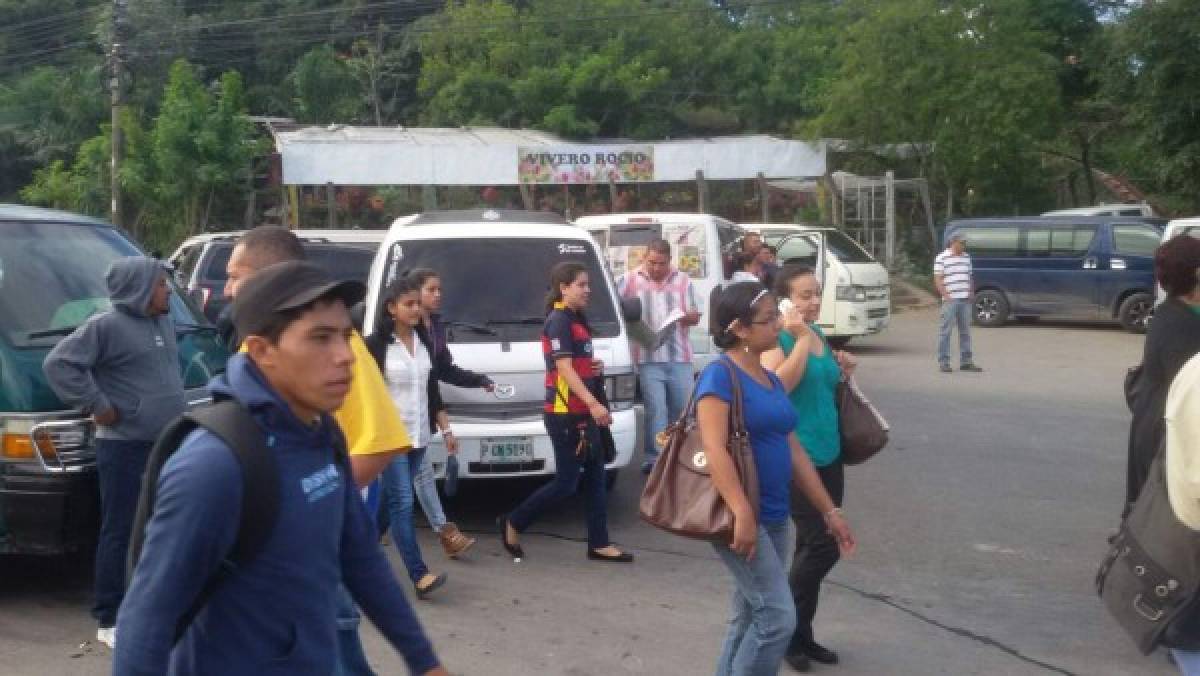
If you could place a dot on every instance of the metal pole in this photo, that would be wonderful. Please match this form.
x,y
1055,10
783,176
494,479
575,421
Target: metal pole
x,y
764,205
116,85
701,192
330,207
889,210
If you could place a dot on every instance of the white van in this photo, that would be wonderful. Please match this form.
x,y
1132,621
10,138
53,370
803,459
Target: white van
x,y
697,243
1178,226
1144,210
856,301
494,267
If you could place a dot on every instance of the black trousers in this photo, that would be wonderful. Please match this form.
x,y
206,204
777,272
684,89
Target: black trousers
x,y
815,555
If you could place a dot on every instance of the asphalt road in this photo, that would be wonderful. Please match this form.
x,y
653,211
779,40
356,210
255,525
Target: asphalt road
x,y
980,528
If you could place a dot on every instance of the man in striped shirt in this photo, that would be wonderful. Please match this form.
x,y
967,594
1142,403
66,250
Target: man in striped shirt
x,y
952,277
665,373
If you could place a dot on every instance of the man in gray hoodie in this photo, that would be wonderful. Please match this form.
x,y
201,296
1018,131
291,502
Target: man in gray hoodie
x,y
122,368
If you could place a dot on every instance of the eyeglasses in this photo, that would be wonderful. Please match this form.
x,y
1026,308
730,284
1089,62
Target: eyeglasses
x,y
770,318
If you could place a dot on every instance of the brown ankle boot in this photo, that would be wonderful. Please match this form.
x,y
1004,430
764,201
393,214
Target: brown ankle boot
x,y
453,540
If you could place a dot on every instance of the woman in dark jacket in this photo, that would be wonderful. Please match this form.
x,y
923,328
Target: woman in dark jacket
x,y
1173,338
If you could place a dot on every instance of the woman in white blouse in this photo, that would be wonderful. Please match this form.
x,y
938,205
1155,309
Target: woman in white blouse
x,y
400,344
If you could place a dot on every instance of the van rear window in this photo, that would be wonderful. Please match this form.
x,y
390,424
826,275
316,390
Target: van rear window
x,y
494,289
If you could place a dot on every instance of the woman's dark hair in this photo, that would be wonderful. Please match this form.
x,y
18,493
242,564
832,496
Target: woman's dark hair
x,y
1176,263
422,275
734,302
789,272
406,283
563,273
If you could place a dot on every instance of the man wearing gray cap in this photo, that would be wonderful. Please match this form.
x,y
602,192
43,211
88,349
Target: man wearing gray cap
x,y
952,278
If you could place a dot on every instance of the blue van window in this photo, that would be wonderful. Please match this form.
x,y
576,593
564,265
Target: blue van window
x,y
1135,240
993,242
1072,241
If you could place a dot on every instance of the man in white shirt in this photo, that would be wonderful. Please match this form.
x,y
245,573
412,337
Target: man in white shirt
x,y
952,278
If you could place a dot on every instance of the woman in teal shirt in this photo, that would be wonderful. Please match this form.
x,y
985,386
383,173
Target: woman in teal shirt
x,y
810,370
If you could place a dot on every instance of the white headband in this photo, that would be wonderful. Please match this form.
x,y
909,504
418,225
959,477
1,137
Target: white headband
x,y
752,304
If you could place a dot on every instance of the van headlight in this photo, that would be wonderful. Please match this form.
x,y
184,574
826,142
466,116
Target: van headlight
x,y
620,388
851,292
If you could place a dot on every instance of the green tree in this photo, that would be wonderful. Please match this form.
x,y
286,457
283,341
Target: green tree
x,y
972,85
326,91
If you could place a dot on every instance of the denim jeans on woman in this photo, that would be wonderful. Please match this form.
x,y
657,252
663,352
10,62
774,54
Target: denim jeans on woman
x,y
764,615
399,498
119,467
425,486
569,470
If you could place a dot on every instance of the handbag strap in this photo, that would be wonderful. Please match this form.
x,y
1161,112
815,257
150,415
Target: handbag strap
x,y
737,418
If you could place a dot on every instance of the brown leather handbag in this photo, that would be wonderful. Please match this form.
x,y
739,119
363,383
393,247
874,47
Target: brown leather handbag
x,y
863,430
680,496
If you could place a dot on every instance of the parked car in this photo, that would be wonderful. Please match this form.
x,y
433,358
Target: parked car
x,y
1094,268
200,261
1106,210
698,242
494,267
52,278
855,296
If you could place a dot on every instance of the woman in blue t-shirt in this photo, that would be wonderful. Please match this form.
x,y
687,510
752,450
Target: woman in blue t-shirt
x,y
810,371
745,323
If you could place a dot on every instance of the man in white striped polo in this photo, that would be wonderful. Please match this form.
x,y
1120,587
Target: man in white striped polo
x,y
952,277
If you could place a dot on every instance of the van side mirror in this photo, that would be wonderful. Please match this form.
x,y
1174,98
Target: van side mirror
x,y
631,309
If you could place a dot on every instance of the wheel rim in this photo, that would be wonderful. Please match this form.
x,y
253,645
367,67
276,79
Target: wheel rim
x,y
1139,314
986,309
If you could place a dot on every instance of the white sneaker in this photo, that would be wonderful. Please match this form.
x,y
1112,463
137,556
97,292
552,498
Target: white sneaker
x,y
107,636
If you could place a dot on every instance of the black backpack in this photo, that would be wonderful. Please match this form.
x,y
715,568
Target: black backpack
x,y
233,425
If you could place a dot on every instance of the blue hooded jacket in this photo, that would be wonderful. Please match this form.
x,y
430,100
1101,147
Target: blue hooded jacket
x,y
275,615
123,359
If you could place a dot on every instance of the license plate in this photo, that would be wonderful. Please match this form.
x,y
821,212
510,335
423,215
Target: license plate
x,y
506,450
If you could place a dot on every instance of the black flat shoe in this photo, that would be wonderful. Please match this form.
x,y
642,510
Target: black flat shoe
x,y
798,662
819,653
623,557
514,551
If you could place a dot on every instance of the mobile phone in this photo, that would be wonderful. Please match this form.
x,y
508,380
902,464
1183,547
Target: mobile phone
x,y
785,306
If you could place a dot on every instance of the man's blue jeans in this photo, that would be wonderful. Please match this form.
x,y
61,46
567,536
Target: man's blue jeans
x,y
955,312
666,387
399,498
351,660
119,466
764,615
569,470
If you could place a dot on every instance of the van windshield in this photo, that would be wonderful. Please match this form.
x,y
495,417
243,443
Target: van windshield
x,y
52,278
494,289
846,249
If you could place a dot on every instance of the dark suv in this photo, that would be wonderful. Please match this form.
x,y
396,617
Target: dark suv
x,y
200,261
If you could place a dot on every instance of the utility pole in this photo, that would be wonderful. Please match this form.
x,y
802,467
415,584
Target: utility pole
x,y
116,85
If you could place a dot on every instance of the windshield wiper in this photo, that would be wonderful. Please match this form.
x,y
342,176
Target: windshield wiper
x,y
477,328
46,333
194,328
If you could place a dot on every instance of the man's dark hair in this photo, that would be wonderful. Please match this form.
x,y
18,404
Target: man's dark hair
x,y
744,259
1176,264
659,246
270,244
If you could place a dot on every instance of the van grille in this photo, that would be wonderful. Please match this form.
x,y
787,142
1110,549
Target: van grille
x,y
877,313
877,292
517,410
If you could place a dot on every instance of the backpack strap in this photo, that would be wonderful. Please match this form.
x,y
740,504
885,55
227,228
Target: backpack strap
x,y
230,422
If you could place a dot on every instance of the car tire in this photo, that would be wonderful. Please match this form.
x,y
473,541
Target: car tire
x,y
990,308
1135,312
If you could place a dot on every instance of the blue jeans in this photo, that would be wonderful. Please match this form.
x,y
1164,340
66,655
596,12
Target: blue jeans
x,y
351,660
764,615
955,312
398,495
425,486
1188,661
569,469
119,466
666,387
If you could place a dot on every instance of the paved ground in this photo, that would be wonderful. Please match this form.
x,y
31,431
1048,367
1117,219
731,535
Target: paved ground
x,y
980,528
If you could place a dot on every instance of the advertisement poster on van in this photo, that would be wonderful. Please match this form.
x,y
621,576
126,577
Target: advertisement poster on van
x,y
558,165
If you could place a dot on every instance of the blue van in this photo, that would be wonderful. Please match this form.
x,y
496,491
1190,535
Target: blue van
x,y
1089,268
52,278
